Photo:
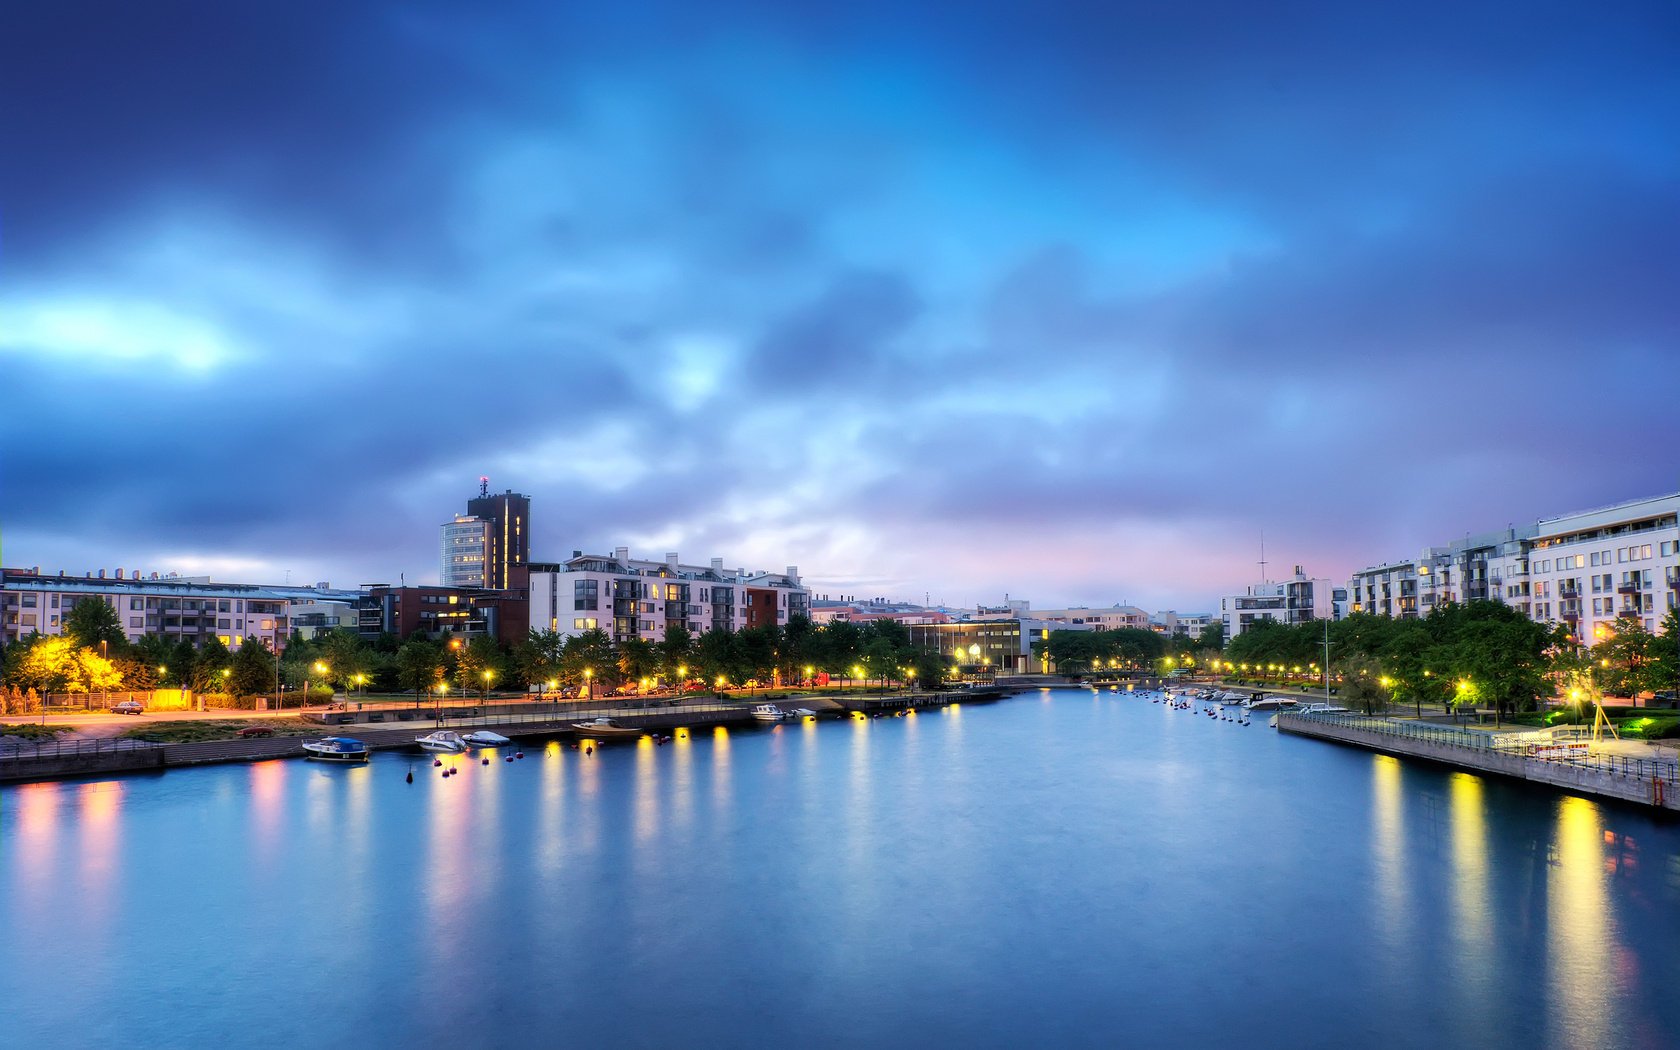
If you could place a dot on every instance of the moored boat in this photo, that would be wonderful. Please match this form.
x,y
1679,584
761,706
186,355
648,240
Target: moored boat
x,y
768,713
603,727
336,749
1268,703
446,741
485,738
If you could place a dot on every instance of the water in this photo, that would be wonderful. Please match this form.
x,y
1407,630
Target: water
x,y
1054,870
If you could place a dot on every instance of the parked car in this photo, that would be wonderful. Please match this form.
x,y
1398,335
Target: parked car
x,y
128,707
249,731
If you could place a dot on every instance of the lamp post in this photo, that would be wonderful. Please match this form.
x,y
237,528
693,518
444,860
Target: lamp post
x,y
488,675
682,679
588,683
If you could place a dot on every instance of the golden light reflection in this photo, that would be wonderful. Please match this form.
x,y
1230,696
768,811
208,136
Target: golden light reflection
x,y
1581,925
646,792
1388,829
268,813
682,780
447,880
551,806
100,803
723,794
1472,920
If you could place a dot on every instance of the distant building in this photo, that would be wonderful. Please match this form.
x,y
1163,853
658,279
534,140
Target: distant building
x,y
484,546
1104,619
466,551
1191,625
501,613
634,598
175,607
1299,599
991,646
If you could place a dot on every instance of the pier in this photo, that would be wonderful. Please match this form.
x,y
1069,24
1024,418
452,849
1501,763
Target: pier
x,y
1530,756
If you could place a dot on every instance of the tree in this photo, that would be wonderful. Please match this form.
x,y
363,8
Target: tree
x,y
797,648
211,660
91,621
880,659
479,664
1363,684
676,651
345,655
589,657
930,670
756,649
638,659
419,666
58,665
1213,635
838,648
538,658
254,670
717,655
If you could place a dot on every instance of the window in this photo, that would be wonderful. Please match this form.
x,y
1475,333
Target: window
x,y
585,623
55,601
29,619
586,594
136,621
1645,552
29,602
224,624
136,604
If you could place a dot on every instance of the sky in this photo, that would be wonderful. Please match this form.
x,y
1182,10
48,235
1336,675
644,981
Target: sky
x,y
1071,302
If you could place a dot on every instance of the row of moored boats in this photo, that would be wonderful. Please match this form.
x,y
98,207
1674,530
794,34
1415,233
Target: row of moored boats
x,y
1255,701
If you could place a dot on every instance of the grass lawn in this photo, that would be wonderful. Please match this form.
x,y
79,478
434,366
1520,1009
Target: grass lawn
x,y
28,731
192,732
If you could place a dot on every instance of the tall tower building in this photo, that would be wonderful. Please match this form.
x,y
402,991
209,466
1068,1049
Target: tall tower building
x,y
507,517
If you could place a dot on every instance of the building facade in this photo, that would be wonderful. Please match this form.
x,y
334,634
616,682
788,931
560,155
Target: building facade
x,y
465,551
193,608
993,645
507,519
1299,599
1588,570
635,598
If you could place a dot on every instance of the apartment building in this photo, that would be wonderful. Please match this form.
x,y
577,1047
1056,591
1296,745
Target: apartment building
x,y
634,598
1594,568
489,544
465,551
1299,599
1191,625
191,607
1587,570
993,645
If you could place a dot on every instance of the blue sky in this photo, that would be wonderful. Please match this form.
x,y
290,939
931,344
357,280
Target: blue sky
x,y
1070,304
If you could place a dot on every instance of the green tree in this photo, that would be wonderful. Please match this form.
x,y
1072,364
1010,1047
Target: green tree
x,y
756,649
420,666
717,655
479,664
212,659
92,620
1363,684
254,670
676,651
345,655
589,658
880,659
538,658
638,659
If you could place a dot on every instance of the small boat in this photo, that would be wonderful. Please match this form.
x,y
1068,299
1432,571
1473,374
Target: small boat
x,y
336,749
768,713
603,727
485,738
803,712
446,741
1322,708
1268,703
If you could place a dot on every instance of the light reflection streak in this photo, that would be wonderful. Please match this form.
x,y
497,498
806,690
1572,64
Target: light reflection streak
x,y
645,788
551,807
1388,829
1472,920
34,808
447,880
1580,926
723,793
682,805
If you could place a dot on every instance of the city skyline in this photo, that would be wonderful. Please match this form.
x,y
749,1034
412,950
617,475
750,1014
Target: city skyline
x,y
1070,306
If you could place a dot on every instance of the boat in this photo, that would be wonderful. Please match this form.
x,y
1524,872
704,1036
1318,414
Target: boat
x,y
803,712
446,741
603,727
1322,708
1268,703
336,749
768,713
485,738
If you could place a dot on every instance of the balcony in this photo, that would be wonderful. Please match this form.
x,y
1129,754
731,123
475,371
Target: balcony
x,y
1628,588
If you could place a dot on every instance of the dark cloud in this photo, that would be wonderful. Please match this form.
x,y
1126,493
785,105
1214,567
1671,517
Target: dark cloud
x,y
1364,277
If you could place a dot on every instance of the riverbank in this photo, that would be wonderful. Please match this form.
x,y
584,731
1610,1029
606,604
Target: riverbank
x,y
1536,757
397,727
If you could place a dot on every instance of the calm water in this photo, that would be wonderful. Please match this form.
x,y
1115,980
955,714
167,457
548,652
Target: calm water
x,y
1054,870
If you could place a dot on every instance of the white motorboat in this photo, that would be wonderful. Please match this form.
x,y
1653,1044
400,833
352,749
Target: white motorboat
x,y
445,741
767,713
603,727
1321,708
336,749
803,712
1268,703
485,738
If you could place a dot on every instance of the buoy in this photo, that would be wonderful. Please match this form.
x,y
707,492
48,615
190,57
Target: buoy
x,y
589,750
508,759
411,776
519,754
487,761
436,762
446,774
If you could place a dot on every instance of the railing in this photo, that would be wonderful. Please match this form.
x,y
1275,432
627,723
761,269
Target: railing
x,y
1516,744
71,748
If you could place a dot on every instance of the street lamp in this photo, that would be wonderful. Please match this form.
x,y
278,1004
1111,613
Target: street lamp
x,y
588,687
488,674
320,669
682,679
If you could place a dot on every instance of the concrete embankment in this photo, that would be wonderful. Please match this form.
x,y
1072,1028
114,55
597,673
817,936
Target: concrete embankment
x,y
1647,782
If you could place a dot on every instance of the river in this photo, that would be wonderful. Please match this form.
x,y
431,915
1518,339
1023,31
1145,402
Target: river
x,y
1058,869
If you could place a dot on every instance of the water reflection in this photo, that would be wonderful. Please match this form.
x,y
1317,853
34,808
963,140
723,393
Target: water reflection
x,y
33,809
645,789
1580,926
722,790
1389,847
1472,919
551,803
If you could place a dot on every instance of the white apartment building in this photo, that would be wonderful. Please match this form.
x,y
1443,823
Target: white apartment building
x,y
176,607
465,551
1493,565
1191,625
632,598
1299,599
1590,569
